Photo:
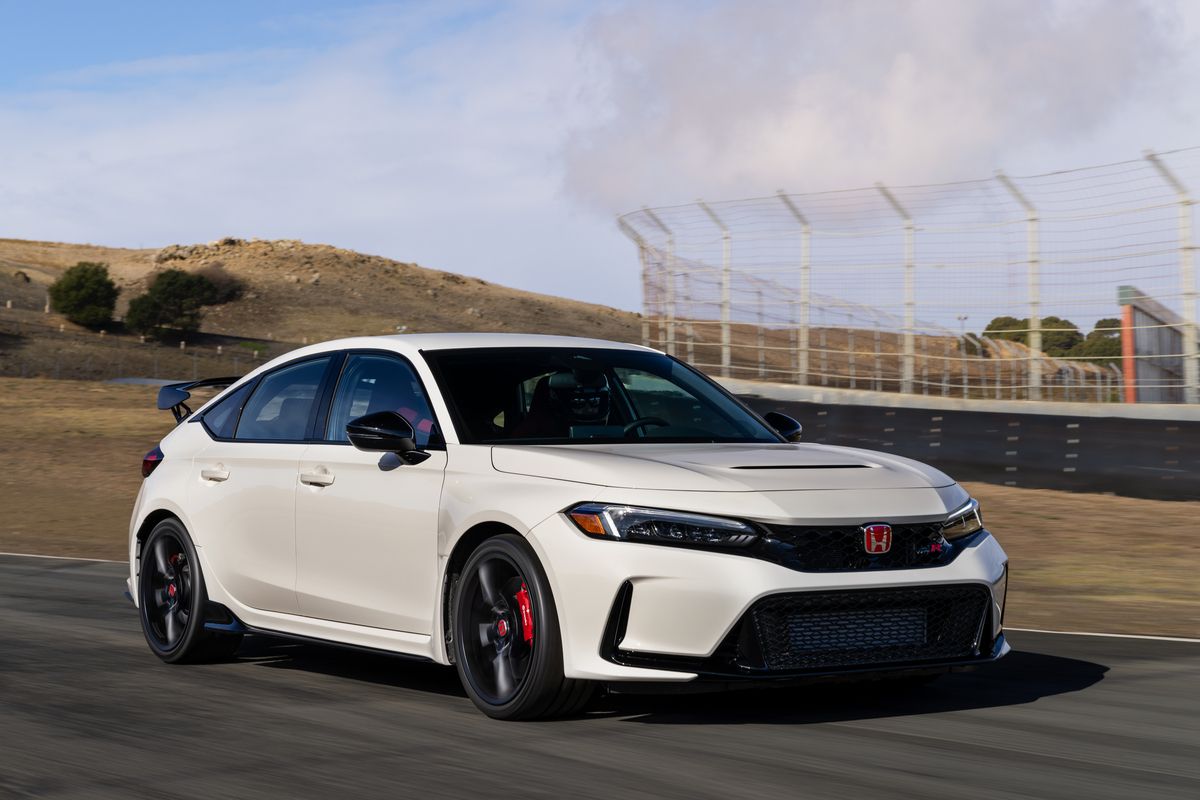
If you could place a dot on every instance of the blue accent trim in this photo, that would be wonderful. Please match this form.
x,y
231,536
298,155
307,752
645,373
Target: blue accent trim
x,y
226,627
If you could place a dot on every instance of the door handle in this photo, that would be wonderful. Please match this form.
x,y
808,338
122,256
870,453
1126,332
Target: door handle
x,y
216,474
318,477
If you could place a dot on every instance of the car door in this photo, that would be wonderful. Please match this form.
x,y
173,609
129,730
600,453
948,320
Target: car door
x,y
243,497
367,523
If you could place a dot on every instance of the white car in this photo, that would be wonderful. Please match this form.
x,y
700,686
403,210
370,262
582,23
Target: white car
x,y
550,515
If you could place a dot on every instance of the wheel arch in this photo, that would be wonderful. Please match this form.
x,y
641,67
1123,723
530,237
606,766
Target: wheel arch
x,y
148,524
466,544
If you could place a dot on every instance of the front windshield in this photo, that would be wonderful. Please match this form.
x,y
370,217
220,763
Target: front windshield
x,y
586,396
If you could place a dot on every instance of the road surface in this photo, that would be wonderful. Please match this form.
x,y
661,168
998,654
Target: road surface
x,y
87,711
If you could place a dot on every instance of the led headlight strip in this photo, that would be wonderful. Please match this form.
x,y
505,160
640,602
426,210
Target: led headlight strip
x,y
964,521
631,523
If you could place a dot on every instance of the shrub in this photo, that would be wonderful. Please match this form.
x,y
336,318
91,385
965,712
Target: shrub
x,y
172,302
85,294
228,287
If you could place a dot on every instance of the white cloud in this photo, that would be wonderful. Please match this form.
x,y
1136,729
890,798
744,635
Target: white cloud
x,y
731,99
500,141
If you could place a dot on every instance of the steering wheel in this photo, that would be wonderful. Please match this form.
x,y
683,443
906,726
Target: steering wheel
x,y
642,422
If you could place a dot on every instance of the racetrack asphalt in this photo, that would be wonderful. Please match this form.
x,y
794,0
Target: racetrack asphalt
x,y
87,711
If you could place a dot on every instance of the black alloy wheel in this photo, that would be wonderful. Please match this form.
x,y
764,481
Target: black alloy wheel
x,y
506,637
500,613
171,599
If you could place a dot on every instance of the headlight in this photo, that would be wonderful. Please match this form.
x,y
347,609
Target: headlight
x,y
655,525
964,521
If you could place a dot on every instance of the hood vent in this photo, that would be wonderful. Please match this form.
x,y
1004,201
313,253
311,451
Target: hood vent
x,y
807,466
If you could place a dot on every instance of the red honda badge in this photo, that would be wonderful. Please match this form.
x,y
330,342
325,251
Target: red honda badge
x,y
877,539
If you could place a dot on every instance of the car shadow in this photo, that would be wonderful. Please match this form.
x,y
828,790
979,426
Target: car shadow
x,y
1024,676
359,665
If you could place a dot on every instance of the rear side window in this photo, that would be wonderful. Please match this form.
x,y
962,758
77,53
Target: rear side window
x,y
222,417
280,407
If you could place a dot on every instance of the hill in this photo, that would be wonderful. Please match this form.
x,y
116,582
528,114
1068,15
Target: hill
x,y
297,291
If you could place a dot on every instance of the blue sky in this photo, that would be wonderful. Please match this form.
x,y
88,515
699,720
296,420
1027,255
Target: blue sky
x,y
501,139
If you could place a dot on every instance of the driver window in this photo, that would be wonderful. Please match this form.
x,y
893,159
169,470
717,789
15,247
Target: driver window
x,y
372,383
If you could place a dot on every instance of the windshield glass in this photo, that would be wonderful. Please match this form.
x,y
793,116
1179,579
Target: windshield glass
x,y
586,396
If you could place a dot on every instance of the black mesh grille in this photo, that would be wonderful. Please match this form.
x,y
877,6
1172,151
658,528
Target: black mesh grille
x,y
835,549
863,627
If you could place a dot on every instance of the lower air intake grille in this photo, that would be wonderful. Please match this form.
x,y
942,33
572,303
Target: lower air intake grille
x,y
863,627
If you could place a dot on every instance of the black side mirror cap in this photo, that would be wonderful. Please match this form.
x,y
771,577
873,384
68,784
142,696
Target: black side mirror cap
x,y
787,427
383,432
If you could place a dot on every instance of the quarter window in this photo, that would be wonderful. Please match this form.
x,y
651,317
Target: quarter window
x,y
222,417
280,407
372,383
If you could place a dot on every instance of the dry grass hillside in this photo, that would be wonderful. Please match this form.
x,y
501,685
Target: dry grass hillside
x,y
297,291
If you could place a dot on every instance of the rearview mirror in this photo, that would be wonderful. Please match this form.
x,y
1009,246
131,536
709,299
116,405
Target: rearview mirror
x,y
787,427
383,432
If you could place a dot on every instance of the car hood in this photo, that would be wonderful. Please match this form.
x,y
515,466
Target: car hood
x,y
719,467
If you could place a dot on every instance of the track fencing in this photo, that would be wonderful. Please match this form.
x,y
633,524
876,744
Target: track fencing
x,y
890,288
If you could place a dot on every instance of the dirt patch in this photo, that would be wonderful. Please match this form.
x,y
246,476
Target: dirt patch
x,y
70,455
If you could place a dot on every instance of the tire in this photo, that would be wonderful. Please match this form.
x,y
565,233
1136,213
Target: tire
x,y
510,669
171,600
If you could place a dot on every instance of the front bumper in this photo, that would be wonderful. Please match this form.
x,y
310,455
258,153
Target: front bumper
x,y
647,612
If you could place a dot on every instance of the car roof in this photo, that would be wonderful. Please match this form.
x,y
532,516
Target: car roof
x,y
412,342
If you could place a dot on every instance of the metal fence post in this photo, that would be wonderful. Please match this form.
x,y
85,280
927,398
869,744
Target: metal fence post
x,y
645,265
805,282
1035,286
910,301
726,285
878,362
852,365
762,353
1187,281
669,293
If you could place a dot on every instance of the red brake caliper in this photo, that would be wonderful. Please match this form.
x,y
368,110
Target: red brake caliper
x,y
526,608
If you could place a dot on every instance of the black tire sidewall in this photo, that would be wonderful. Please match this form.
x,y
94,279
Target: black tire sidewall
x,y
545,675
193,634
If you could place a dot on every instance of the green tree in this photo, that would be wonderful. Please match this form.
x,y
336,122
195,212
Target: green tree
x,y
1059,336
173,301
85,294
1103,344
1010,328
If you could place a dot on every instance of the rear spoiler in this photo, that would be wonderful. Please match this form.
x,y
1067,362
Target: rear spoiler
x,y
174,396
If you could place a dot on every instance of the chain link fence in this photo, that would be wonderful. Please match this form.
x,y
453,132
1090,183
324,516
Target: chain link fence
x,y
960,289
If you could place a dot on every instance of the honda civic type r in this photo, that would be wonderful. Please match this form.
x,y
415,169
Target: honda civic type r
x,y
549,515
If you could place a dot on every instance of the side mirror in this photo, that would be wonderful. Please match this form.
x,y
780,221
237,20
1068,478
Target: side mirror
x,y
385,432
787,427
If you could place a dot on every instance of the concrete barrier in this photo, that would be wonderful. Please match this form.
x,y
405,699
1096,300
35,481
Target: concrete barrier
x,y
1136,450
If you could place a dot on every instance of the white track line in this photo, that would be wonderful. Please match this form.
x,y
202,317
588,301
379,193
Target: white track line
x,y
63,558
1019,630
1107,635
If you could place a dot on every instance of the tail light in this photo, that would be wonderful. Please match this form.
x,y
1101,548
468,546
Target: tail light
x,y
150,461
